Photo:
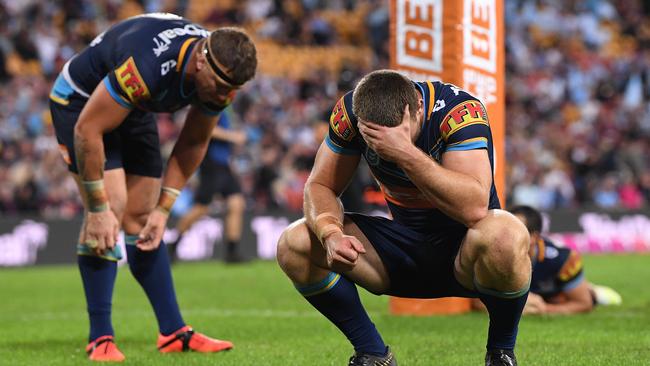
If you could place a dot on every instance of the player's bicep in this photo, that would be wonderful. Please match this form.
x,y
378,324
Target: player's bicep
x,y
101,113
333,170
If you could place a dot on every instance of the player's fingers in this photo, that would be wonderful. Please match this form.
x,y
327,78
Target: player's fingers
x,y
339,261
116,231
356,245
101,245
110,240
348,254
370,130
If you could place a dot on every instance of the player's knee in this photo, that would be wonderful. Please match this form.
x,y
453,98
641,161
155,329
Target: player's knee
x,y
504,244
134,220
293,243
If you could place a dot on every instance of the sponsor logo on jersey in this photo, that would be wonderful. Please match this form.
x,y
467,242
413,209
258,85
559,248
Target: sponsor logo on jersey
x,y
340,122
163,39
571,267
464,114
131,81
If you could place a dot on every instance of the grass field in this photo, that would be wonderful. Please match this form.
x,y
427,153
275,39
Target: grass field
x,y
43,321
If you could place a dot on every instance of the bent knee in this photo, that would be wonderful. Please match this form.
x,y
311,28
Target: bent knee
x,y
501,234
295,240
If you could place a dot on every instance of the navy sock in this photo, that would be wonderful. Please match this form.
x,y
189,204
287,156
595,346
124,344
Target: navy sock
x,y
98,277
337,298
505,311
153,272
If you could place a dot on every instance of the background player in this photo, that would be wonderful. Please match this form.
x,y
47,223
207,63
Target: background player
x,y
216,177
447,238
101,104
558,284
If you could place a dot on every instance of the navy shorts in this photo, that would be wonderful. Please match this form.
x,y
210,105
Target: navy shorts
x,y
134,145
215,178
420,265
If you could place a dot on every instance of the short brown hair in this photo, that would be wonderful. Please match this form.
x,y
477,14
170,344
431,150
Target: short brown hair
x,y
380,98
234,49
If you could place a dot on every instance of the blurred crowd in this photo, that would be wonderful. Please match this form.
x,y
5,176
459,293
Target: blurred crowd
x,y
578,95
578,103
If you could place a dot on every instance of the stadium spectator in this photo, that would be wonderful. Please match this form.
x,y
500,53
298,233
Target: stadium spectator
x,y
578,107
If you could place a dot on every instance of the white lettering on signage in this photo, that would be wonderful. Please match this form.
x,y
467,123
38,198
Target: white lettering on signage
x,y
21,246
419,34
481,85
268,230
198,241
480,34
630,233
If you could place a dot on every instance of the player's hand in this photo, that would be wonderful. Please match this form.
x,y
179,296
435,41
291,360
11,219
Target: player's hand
x,y
342,251
390,143
535,305
151,235
101,231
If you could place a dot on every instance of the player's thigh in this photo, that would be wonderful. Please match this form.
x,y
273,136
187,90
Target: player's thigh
x,y
370,272
142,197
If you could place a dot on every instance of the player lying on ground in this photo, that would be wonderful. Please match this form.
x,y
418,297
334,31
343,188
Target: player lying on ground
x,y
558,284
102,104
429,146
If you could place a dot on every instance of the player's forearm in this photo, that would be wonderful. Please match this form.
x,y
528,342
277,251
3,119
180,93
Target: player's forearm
x,y
572,307
458,195
183,162
323,210
89,152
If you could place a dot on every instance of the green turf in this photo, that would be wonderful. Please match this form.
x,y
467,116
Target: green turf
x,y
43,322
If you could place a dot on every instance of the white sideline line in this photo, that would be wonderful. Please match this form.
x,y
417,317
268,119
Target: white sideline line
x,y
250,313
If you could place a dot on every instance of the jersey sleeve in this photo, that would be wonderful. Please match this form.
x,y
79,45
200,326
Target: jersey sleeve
x,y
571,273
132,81
342,137
465,126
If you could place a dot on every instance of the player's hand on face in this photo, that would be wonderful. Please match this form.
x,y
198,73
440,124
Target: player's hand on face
x,y
150,236
343,252
535,305
101,231
390,143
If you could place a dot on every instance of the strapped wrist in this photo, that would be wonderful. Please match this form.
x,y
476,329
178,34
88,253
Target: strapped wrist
x,y
96,197
167,198
327,224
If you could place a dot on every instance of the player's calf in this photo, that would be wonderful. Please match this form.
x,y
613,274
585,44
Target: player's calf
x,y
302,258
494,257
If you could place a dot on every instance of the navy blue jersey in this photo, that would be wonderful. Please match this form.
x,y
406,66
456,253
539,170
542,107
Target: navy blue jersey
x,y
142,62
454,120
555,269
